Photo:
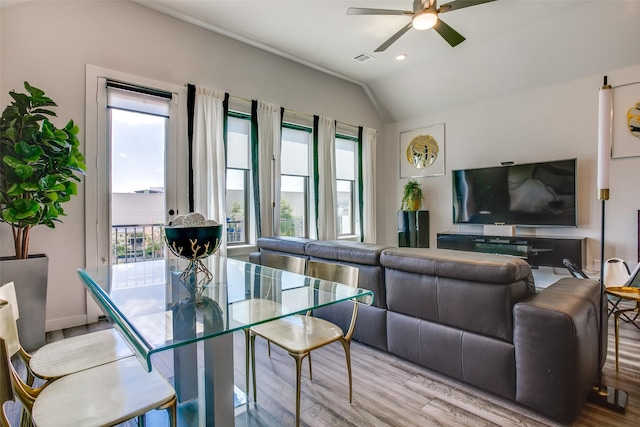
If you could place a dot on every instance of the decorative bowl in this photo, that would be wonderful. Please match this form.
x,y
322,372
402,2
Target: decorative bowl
x,y
193,244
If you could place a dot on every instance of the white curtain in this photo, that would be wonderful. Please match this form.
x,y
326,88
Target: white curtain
x,y
209,166
327,193
369,140
269,136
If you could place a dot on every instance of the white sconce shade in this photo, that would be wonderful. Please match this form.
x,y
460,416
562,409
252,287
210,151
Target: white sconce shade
x,y
424,20
605,113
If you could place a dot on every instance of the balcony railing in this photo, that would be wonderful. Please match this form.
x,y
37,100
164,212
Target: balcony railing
x,y
138,242
145,242
235,233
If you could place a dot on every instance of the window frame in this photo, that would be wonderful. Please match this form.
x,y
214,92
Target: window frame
x,y
248,209
355,194
97,154
307,178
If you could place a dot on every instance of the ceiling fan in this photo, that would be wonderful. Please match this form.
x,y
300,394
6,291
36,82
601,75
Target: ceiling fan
x,y
423,17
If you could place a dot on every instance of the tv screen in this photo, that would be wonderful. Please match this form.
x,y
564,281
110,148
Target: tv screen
x,y
533,194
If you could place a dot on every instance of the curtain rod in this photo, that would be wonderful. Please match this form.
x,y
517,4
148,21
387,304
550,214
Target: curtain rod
x,y
286,109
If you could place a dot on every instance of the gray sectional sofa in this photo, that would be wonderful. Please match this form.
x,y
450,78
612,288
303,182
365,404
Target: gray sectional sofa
x,y
474,317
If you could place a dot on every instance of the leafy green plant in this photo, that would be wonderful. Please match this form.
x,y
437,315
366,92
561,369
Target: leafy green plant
x,y
412,196
288,220
237,211
39,165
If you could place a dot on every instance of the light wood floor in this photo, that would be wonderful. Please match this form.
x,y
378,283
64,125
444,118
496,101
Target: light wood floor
x,y
389,391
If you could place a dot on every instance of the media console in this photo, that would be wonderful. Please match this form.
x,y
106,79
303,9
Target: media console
x,y
536,250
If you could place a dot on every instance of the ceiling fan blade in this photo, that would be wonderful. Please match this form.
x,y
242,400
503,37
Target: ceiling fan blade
x,y
452,37
393,38
365,11
461,4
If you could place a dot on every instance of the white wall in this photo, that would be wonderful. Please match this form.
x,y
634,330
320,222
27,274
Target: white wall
x,y
556,122
129,38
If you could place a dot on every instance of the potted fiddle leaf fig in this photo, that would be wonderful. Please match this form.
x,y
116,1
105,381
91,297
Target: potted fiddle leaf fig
x,y
40,166
412,196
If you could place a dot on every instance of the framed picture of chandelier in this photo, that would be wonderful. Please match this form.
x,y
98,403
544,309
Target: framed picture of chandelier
x,y
625,141
422,152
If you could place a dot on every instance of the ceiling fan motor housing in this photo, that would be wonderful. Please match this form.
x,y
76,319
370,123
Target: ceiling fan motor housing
x,y
424,19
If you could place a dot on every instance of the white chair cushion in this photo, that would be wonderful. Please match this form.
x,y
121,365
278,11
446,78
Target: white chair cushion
x,y
79,353
105,395
299,334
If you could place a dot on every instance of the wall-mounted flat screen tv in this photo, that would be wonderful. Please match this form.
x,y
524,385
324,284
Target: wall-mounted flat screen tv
x,y
532,194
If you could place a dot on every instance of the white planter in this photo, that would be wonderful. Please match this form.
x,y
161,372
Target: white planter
x,y
30,279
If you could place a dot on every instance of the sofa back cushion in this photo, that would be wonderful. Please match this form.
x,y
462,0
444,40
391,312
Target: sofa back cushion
x,y
284,245
365,256
466,290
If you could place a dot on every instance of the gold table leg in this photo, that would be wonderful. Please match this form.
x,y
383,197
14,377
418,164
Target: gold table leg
x,y
616,316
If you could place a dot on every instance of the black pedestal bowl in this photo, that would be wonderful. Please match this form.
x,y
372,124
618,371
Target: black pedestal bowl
x,y
193,244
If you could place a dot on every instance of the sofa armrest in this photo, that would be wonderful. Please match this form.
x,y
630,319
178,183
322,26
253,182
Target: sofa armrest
x,y
556,347
254,257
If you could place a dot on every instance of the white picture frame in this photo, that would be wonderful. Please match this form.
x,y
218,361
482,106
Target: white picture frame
x,y
623,142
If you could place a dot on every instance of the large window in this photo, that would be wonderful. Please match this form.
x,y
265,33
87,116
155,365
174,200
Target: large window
x,y
137,124
297,214
294,184
238,178
346,167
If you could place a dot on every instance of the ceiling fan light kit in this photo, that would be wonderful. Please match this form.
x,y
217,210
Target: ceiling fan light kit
x,y
424,20
423,17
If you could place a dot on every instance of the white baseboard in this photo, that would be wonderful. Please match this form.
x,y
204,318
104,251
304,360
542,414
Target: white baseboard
x,y
65,322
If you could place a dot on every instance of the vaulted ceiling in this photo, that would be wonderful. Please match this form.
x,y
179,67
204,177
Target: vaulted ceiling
x,y
511,46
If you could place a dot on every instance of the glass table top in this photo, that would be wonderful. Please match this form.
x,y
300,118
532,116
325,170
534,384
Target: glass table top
x,y
155,309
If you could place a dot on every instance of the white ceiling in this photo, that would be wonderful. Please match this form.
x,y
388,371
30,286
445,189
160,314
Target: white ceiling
x,y
321,33
512,45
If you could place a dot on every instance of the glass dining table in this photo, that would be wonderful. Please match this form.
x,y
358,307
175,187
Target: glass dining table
x,y
183,327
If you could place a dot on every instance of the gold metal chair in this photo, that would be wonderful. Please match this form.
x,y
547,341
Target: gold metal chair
x,y
626,290
299,335
288,263
106,395
69,355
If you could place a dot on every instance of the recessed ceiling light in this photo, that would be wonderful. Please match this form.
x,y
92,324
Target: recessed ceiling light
x,y
401,57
